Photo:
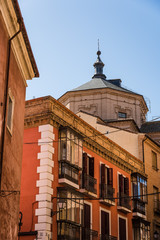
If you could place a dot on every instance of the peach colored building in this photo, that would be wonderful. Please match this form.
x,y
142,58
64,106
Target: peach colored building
x,y
17,65
76,182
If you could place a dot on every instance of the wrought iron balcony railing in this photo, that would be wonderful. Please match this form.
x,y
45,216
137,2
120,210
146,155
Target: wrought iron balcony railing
x,y
157,206
124,200
68,231
88,234
138,206
68,171
89,183
107,192
107,237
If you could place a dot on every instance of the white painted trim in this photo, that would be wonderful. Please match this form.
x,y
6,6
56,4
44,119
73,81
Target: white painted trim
x,y
42,219
43,197
44,128
43,212
120,216
45,204
44,169
46,189
43,226
46,176
42,155
44,141
44,183
48,134
47,148
46,161
108,211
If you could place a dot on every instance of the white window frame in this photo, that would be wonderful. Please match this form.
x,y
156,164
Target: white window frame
x,y
105,210
120,216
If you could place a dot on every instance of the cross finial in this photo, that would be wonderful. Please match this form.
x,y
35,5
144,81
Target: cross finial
x,y
98,44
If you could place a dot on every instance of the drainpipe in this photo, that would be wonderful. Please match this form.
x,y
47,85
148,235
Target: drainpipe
x,y
5,101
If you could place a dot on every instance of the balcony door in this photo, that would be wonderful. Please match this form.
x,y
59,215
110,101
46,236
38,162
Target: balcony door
x,y
122,229
104,225
88,165
87,222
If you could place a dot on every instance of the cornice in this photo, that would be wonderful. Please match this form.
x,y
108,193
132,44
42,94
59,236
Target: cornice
x,y
129,95
48,110
18,44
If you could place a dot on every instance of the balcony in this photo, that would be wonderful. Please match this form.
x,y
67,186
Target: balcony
x,y
157,206
89,234
68,174
68,231
107,194
107,237
123,203
89,184
138,208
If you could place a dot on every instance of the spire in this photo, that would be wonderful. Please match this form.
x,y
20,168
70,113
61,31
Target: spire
x,y
98,65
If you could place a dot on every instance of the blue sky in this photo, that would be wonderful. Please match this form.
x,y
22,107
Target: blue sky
x,y
63,35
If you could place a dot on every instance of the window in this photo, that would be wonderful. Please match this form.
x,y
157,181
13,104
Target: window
x,y
123,185
106,182
122,115
88,180
156,200
69,218
88,165
70,147
123,193
122,229
87,231
139,186
141,229
10,113
72,206
105,225
154,160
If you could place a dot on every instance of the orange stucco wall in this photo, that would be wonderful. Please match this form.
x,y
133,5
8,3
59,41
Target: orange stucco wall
x,y
29,177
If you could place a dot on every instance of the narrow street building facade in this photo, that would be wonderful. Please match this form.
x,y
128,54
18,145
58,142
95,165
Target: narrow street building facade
x,y
76,183
17,65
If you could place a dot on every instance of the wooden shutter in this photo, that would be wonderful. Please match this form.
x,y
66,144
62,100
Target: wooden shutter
x,y
91,167
121,183
126,186
122,229
87,214
110,176
102,173
104,223
85,163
